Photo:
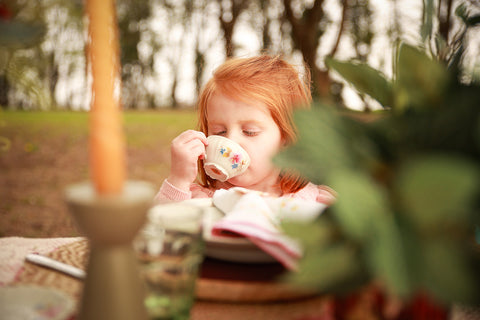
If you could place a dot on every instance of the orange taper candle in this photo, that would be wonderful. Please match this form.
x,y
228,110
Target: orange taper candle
x,y
107,141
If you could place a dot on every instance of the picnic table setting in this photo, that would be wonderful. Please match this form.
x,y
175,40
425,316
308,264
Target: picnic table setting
x,y
226,287
138,261
402,241
230,276
233,277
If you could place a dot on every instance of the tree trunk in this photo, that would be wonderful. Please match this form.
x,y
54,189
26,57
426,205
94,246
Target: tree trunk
x,y
341,28
266,39
173,97
444,19
53,77
227,28
4,88
306,34
228,20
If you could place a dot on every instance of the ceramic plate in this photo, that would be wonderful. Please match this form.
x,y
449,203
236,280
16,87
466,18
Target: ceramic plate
x,y
34,303
230,248
234,249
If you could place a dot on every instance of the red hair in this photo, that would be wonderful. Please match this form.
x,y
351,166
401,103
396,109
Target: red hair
x,y
267,79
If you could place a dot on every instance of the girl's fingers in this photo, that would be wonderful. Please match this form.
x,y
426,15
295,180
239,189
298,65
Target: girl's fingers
x,y
191,150
198,150
186,149
189,143
190,135
194,149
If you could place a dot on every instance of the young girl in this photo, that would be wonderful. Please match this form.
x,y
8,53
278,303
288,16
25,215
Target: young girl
x,y
250,101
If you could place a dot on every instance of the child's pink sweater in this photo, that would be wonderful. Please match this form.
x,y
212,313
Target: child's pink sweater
x,y
322,194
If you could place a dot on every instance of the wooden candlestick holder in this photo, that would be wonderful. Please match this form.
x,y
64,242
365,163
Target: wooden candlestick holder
x,y
113,288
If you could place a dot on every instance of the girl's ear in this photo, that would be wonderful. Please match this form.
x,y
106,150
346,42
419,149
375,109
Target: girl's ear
x,y
284,143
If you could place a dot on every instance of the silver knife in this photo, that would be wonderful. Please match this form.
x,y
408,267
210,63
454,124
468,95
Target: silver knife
x,y
56,265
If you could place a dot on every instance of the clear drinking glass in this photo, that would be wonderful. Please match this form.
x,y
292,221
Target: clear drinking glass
x,y
170,251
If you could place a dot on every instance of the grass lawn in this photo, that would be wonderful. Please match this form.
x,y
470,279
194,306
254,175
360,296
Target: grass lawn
x,y
43,152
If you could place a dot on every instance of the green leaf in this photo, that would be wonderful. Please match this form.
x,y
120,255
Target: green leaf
x,y
317,234
18,34
446,272
365,79
420,80
388,257
435,190
327,268
323,145
361,203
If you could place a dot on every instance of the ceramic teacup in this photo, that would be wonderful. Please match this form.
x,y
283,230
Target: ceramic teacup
x,y
225,158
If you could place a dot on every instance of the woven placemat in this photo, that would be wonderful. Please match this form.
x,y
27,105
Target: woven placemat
x,y
240,285
75,254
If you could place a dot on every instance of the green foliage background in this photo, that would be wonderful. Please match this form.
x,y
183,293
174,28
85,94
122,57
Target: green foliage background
x,y
408,184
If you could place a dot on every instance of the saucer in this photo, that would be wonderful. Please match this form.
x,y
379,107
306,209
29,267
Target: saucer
x,y
34,303
234,249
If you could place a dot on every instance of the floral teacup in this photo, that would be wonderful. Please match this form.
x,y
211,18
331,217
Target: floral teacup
x,y
225,158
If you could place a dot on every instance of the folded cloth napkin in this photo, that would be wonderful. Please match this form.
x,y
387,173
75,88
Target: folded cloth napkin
x,y
257,216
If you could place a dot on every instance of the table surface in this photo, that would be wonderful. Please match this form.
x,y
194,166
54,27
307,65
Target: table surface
x,y
224,290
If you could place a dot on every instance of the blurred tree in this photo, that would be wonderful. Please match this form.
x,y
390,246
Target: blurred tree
x,y
31,57
22,29
341,28
267,21
179,16
444,15
5,16
307,30
64,25
361,31
133,29
359,27
308,25
229,12
445,39
202,43
155,56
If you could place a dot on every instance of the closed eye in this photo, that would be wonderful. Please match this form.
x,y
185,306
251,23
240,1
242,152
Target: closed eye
x,y
250,133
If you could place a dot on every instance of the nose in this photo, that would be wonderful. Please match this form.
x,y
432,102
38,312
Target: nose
x,y
233,136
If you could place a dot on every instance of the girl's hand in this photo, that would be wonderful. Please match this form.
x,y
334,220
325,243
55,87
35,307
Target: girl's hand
x,y
185,151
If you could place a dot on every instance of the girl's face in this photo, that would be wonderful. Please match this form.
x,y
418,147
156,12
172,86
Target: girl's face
x,y
251,126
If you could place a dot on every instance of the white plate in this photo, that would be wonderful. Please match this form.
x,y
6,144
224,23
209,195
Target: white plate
x,y
229,249
34,303
226,248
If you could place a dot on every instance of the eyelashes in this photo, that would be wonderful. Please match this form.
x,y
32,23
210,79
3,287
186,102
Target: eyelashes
x,y
248,133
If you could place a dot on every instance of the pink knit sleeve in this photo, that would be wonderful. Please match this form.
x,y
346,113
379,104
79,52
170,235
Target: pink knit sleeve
x,y
168,192
322,194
